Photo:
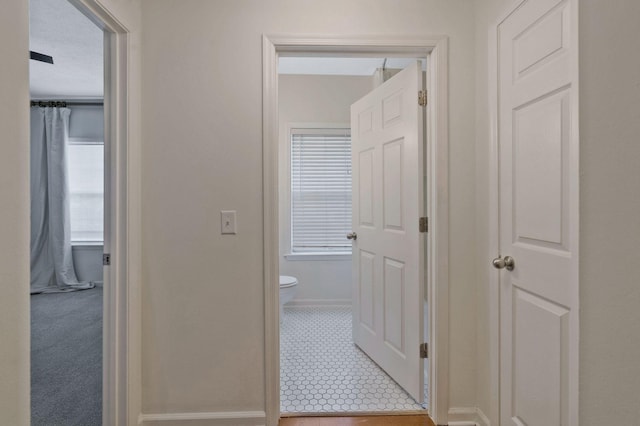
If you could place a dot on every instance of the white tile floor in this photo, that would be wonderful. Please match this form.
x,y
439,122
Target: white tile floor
x,y
321,370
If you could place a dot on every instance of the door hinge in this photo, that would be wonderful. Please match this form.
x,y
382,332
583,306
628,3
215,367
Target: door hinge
x,y
424,350
424,224
106,259
422,98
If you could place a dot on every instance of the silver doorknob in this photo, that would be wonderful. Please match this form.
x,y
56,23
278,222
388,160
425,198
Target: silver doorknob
x,y
352,236
507,263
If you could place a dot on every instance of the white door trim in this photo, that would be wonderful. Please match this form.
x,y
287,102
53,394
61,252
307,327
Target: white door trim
x,y
121,388
494,218
494,228
436,49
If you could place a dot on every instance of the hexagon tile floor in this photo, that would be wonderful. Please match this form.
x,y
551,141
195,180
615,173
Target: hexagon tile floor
x,y
321,370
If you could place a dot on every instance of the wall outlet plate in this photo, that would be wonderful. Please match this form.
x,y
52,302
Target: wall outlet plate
x,y
228,222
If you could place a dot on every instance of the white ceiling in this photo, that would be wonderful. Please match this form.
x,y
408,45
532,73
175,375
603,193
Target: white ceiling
x,y
339,66
58,29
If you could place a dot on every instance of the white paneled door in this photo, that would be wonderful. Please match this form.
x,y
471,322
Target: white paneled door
x,y
538,210
388,254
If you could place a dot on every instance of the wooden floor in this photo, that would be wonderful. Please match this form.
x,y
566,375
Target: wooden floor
x,y
417,420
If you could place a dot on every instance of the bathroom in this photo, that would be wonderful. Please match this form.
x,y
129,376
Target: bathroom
x,y
321,369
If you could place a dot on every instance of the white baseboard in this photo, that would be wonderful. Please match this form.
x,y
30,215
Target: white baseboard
x,y
467,416
319,303
223,418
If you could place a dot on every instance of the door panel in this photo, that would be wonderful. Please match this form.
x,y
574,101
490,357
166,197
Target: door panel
x,y
538,43
366,291
392,110
392,157
365,197
538,214
538,397
541,135
388,260
393,283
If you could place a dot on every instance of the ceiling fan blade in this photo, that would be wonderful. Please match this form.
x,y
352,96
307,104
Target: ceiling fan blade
x,y
40,57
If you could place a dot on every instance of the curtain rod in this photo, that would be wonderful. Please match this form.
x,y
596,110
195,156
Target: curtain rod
x,y
63,104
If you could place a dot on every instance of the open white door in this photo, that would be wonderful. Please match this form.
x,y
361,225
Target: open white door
x,y
388,254
538,204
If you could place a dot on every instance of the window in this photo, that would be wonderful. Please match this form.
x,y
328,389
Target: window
x,y
320,190
86,191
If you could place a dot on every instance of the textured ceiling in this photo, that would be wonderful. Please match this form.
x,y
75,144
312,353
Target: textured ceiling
x,y
58,29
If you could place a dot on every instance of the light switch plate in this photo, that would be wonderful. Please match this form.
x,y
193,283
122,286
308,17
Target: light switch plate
x,y
228,221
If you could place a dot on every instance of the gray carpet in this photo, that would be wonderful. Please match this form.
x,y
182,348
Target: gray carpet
x,y
66,358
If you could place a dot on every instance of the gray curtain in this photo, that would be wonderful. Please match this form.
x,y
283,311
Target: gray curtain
x,y
52,268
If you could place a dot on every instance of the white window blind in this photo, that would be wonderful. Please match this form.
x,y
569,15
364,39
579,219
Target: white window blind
x,y
320,190
86,191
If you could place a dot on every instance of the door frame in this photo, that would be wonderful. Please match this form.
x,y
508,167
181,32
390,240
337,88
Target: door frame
x,y
436,50
121,386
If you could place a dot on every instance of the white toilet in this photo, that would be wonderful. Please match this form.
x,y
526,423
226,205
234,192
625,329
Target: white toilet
x,y
288,287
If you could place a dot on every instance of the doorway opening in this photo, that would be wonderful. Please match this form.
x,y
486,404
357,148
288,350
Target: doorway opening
x,y
79,83
67,214
313,365
322,369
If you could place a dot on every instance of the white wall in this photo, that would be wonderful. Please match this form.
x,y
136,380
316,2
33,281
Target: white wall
x,y
314,99
609,212
203,301
14,214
